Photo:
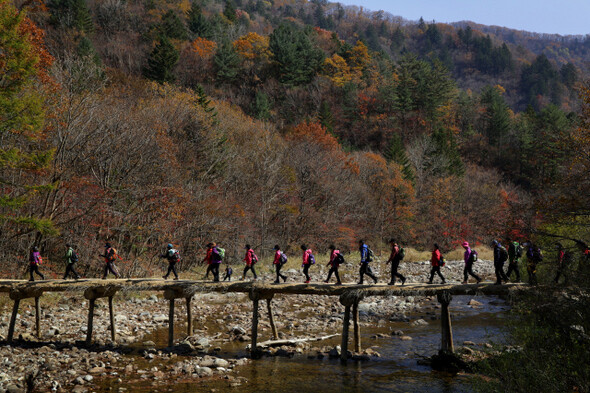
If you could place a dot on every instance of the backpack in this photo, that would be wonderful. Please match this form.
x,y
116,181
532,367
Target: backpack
x,y
74,258
370,255
113,256
283,258
503,254
401,253
339,259
442,261
215,255
517,250
221,252
175,256
311,259
253,257
473,256
537,255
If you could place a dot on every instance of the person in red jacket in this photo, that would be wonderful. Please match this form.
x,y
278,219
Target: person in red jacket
x,y
395,258
335,260
209,259
278,264
561,263
250,260
307,262
435,262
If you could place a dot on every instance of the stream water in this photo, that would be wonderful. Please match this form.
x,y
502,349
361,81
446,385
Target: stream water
x,y
396,370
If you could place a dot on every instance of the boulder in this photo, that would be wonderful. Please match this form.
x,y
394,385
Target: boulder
x,y
474,303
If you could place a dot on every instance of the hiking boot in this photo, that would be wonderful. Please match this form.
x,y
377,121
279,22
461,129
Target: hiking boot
x,y
307,281
480,280
338,283
498,283
284,278
391,283
429,282
464,282
359,283
32,279
403,281
443,283
326,281
375,281
276,282
176,278
165,277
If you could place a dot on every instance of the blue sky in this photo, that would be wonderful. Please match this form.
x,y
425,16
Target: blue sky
x,y
541,16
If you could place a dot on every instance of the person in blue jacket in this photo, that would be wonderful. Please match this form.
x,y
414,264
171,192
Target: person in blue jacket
x,y
366,257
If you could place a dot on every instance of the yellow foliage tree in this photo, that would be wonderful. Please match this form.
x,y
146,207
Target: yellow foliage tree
x,y
252,46
337,70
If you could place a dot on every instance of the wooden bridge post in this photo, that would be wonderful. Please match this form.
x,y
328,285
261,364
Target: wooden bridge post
x,y
357,328
112,316
171,323
345,328
37,317
275,332
189,317
13,320
255,297
91,303
444,298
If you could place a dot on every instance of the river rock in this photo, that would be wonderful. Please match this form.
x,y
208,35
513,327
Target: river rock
x,y
204,372
419,322
160,318
397,333
335,352
238,330
468,343
14,389
220,363
405,338
474,303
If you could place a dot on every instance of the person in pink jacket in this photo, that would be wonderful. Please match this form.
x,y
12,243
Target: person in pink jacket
x,y
469,259
34,261
250,260
435,262
335,259
278,264
307,262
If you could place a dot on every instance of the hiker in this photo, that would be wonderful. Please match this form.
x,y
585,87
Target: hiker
x,y
250,260
173,257
34,261
514,255
366,257
278,262
397,254
436,261
561,263
209,259
228,272
470,256
71,258
308,260
500,256
110,254
534,256
217,256
335,260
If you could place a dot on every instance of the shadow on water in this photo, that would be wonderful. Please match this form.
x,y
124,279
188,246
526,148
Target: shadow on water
x,y
395,371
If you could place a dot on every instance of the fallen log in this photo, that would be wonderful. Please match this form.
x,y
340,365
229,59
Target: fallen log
x,y
291,342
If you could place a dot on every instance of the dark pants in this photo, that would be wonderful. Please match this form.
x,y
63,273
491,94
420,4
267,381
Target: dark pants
x,y
561,271
366,269
532,271
35,269
251,267
394,273
110,267
227,277
278,267
513,267
468,271
334,269
70,269
500,275
306,272
209,269
215,271
436,269
171,268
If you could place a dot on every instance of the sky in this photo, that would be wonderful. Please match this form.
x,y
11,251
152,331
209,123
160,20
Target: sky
x,y
540,16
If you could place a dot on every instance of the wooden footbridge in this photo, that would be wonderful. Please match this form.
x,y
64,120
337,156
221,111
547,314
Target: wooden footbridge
x,y
349,295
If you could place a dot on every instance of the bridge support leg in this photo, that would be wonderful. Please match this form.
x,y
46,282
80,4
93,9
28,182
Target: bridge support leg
x,y
171,324
37,317
275,333
345,328
91,303
112,316
357,328
189,317
444,298
13,320
254,326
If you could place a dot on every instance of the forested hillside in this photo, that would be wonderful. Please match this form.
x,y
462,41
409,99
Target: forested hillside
x,y
148,122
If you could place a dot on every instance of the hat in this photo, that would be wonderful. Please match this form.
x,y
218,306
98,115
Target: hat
x,y
170,245
107,244
465,244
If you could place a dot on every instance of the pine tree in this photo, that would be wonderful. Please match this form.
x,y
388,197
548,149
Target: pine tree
x,y
229,11
172,27
325,117
204,102
226,62
85,49
198,23
396,152
261,106
162,61
496,117
73,14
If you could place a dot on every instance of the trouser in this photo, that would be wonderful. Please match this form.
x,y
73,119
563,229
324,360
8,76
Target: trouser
x,y
513,267
532,271
366,269
306,272
209,269
110,267
251,267
35,269
394,273
171,268
499,270
560,272
468,271
215,271
278,267
70,269
227,277
436,269
334,269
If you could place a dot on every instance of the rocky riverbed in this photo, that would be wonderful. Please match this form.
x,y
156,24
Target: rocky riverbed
x,y
58,360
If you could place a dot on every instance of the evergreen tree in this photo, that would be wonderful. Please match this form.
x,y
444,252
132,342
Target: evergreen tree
x,y
446,146
226,62
73,14
537,79
325,116
569,75
172,27
198,23
85,49
297,60
497,121
162,61
204,102
397,39
229,11
261,106
396,152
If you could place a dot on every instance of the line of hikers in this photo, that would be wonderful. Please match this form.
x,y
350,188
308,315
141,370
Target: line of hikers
x,y
215,255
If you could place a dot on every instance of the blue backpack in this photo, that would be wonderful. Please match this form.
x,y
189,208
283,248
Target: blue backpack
x,y
311,259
